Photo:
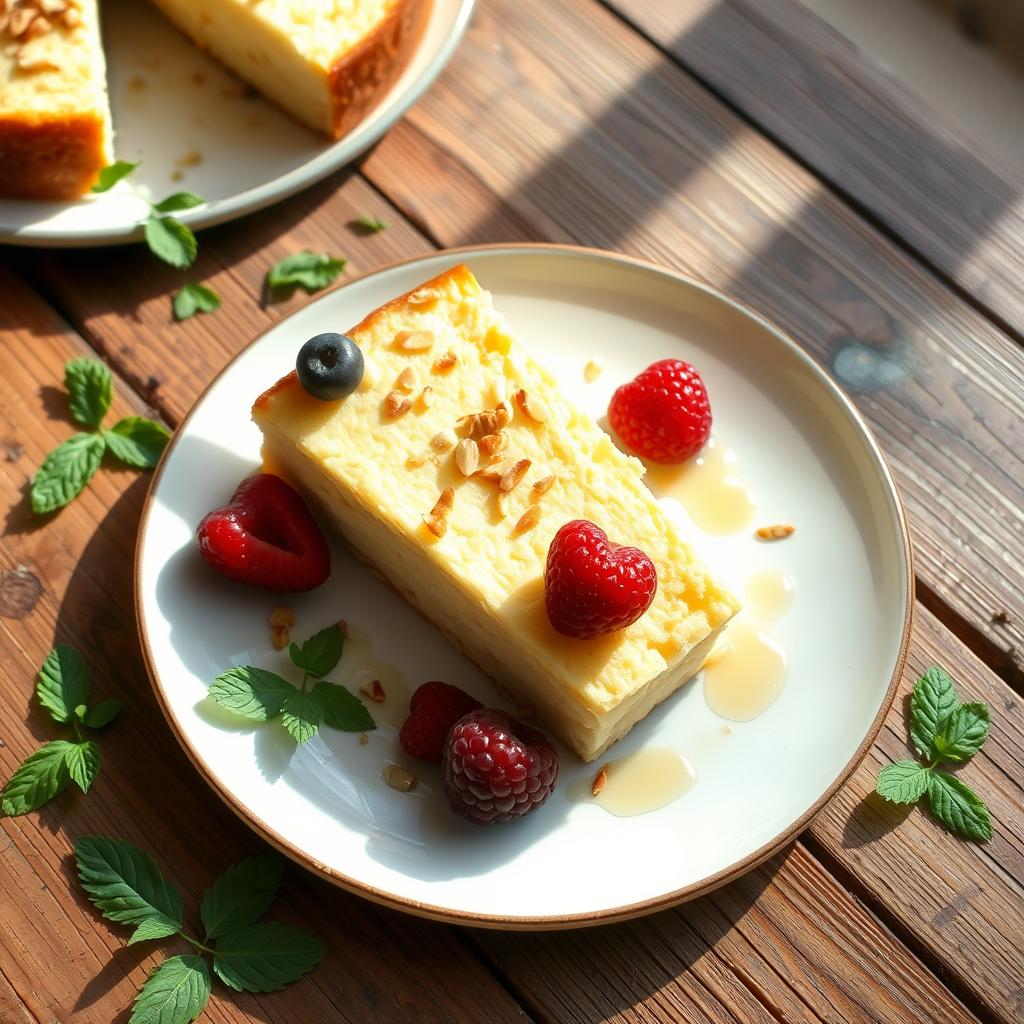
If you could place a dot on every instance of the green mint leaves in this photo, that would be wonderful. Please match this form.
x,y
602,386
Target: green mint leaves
x,y
369,225
261,695
941,729
194,298
309,270
111,175
170,240
249,955
63,689
67,470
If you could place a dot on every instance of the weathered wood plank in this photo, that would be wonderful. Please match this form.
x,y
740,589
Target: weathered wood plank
x,y
858,126
64,962
618,148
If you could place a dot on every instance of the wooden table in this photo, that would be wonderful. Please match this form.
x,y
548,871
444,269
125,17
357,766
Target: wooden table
x,y
744,143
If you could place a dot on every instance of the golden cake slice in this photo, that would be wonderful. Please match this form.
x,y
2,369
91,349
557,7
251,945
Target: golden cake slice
x,y
449,392
55,131
326,62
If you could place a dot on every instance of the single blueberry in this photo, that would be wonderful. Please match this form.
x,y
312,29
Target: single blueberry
x,y
330,366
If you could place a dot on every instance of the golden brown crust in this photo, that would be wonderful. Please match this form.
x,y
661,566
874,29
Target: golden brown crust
x,y
360,78
460,272
51,157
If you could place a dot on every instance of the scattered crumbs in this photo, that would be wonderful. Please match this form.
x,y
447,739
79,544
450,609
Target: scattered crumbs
x,y
726,730
399,778
363,739
1000,618
13,451
137,84
777,531
592,370
150,62
600,781
198,78
190,159
177,175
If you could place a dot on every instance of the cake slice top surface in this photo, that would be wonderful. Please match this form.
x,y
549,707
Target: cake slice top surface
x,y
387,461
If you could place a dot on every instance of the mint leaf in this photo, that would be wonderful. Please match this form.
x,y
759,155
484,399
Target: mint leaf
x,y
83,761
65,472
90,389
241,896
194,298
38,779
179,201
958,807
301,714
80,712
137,441
251,692
962,732
175,993
369,224
320,653
112,174
171,241
103,714
265,957
904,782
342,709
308,270
126,885
63,683
932,700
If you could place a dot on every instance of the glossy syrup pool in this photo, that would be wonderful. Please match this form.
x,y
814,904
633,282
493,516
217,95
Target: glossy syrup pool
x,y
357,670
769,594
745,672
639,783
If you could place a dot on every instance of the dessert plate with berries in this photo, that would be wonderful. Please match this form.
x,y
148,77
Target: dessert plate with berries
x,y
530,622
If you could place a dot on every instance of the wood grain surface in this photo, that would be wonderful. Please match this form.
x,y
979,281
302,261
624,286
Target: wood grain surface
x,y
560,122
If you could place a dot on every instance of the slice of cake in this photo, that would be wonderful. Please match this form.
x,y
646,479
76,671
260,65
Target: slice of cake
x,y
326,62
450,469
54,114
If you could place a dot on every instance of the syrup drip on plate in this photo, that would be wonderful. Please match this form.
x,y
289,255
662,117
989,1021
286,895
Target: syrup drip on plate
x,y
744,673
708,488
769,594
359,669
639,783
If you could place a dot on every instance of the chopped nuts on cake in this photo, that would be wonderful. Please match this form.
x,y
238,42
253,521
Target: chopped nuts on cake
x,y
406,380
396,404
534,408
445,364
437,519
777,531
512,477
414,341
527,521
467,456
444,441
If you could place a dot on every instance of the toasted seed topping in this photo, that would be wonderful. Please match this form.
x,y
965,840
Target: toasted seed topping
x,y
533,407
467,456
417,460
437,520
414,341
492,444
527,521
512,477
496,470
399,778
281,621
444,441
543,485
406,380
374,691
423,298
502,500
363,739
503,412
479,424
592,370
21,18
445,363
600,781
426,398
396,404
777,531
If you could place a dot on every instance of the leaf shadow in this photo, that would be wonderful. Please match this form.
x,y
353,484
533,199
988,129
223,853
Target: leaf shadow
x,y
119,966
872,819
54,401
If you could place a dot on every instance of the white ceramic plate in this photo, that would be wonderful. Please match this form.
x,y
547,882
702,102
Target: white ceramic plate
x,y
806,457
171,102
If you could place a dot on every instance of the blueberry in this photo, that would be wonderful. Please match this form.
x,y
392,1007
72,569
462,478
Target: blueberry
x,y
330,366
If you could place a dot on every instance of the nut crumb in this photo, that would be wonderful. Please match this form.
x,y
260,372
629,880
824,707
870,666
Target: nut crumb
x,y
445,364
467,456
21,18
399,778
414,341
533,407
137,83
1000,618
777,531
496,470
543,485
374,691
492,444
592,370
281,621
422,298
478,425
502,500
527,521
406,380
726,730
444,441
437,520
396,404
190,159
363,739
600,781
512,477
499,390
71,18
426,397
415,461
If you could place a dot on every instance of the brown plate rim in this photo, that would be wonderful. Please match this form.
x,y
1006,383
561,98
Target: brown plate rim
x,y
612,914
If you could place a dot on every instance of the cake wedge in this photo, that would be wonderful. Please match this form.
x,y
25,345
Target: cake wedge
x,y
451,468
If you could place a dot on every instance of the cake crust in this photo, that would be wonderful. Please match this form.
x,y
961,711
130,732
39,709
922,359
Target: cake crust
x,y
57,157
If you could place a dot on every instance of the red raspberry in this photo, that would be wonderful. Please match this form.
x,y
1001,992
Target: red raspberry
x,y
496,768
434,708
593,587
662,414
266,537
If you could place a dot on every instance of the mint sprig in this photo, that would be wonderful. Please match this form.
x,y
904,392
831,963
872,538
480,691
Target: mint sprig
x,y
260,695
942,730
249,955
309,270
67,470
368,224
62,687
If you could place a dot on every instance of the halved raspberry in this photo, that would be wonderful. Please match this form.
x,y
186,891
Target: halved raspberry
x,y
433,709
496,768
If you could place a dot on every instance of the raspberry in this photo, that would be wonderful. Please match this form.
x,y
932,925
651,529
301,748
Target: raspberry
x,y
663,413
434,708
593,587
496,768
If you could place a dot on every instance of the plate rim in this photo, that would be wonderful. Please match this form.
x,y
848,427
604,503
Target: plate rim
x,y
587,918
284,186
